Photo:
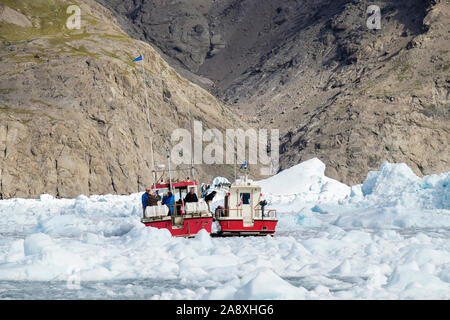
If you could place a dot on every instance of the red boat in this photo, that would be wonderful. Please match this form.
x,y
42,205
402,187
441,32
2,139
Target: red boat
x,y
242,214
187,218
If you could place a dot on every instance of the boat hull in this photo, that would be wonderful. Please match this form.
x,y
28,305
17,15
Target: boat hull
x,y
189,228
235,227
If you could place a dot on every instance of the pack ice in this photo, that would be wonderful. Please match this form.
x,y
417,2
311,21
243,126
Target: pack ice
x,y
387,238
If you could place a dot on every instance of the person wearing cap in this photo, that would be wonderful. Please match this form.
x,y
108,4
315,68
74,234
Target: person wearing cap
x,y
144,199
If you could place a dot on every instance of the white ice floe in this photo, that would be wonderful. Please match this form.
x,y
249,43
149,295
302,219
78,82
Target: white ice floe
x,y
387,238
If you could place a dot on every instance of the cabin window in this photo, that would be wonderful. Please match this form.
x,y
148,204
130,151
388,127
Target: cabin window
x,y
245,198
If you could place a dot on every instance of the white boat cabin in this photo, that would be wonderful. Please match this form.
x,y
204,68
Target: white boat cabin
x,y
243,202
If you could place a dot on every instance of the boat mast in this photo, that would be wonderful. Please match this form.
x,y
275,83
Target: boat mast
x,y
192,143
168,166
235,168
151,150
149,127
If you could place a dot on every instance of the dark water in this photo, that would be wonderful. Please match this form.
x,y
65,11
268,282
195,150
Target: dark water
x,y
136,288
103,290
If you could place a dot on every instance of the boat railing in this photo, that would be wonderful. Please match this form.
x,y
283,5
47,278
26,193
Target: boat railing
x,y
222,212
179,209
268,213
175,207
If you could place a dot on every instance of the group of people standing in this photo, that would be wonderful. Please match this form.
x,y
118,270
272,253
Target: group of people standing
x,y
151,198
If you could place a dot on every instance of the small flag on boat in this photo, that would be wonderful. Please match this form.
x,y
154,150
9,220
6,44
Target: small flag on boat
x,y
138,59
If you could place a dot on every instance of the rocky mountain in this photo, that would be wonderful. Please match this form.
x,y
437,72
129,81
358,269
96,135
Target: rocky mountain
x,y
73,106
338,90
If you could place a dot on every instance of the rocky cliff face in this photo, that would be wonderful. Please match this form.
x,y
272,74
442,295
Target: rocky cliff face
x,y
72,105
73,108
337,90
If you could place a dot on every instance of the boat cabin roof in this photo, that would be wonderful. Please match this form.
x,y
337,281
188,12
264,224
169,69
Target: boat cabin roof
x,y
242,187
175,185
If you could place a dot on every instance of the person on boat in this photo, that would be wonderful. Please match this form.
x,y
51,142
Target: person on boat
x,y
209,198
144,199
221,211
203,189
262,203
179,203
164,198
169,201
191,196
152,199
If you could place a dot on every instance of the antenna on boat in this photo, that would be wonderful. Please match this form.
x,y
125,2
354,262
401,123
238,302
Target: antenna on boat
x,y
150,128
235,168
245,172
140,58
192,142
168,164
151,149
245,167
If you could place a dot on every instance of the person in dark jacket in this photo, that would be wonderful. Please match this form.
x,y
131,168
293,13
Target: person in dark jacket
x,y
178,206
209,198
152,199
191,196
262,203
144,200
169,201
